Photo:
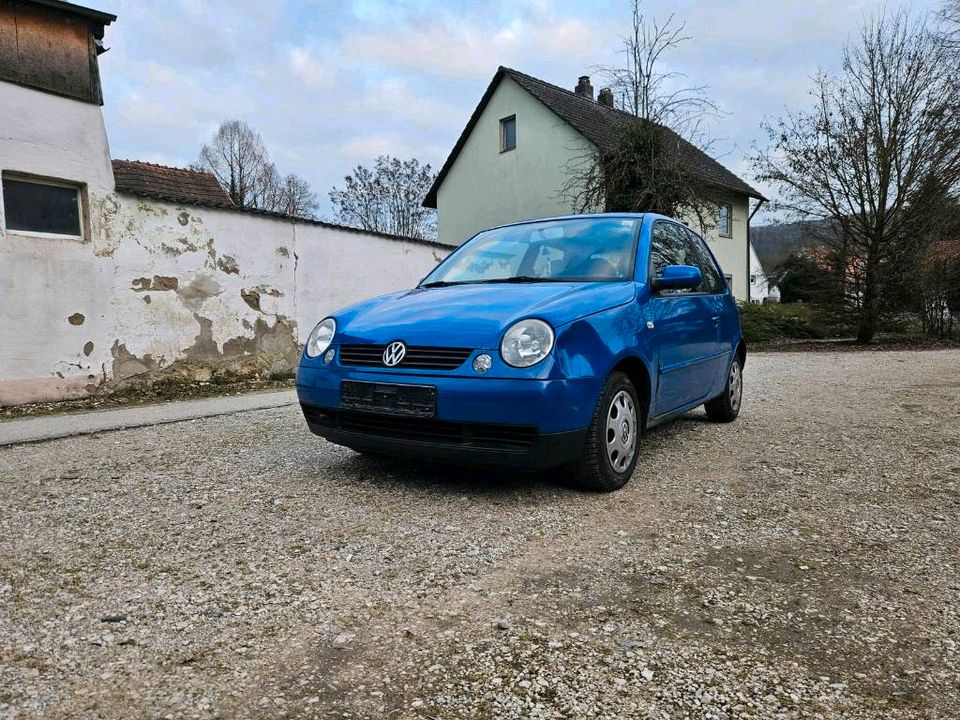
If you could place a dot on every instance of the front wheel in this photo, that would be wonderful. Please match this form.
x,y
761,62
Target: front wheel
x,y
726,406
613,438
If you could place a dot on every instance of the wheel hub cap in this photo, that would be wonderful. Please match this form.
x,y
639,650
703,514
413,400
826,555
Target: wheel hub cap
x,y
621,435
736,385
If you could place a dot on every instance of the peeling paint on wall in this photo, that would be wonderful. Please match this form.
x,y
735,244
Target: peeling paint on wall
x,y
158,283
126,365
220,298
252,296
228,264
197,291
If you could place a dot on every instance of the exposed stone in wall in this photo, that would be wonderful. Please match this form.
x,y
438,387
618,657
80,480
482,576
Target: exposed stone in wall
x,y
76,319
158,283
228,264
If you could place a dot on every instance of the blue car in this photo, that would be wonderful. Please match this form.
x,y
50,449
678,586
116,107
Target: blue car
x,y
543,344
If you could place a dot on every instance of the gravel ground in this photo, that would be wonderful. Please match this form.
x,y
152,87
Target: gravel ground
x,y
801,562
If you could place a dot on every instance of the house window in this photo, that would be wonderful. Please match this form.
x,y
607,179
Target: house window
x,y
41,206
508,133
725,222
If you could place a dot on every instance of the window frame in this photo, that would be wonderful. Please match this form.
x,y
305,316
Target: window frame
x,y
720,232
503,133
80,188
718,271
691,237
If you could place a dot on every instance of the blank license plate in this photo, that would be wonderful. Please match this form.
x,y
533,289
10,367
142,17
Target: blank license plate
x,y
391,398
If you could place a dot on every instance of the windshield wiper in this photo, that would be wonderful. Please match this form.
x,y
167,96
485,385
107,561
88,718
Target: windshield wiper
x,y
520,279
514,279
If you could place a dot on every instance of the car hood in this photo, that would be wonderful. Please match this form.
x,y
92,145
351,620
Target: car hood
x,y
473,315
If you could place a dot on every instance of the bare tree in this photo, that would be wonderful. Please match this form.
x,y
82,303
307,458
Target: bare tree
x,y
646,166
387,198
950,19
297,198
877,135
644,87
238,158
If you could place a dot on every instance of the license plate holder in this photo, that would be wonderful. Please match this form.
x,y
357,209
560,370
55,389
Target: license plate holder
x,y
389,398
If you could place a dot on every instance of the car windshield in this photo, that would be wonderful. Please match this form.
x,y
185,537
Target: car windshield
x,y
581,249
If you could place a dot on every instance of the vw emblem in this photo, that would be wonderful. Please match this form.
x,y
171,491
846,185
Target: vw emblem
x,y
394,353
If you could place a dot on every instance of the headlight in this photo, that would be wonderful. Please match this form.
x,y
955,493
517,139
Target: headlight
x,y
526,343
321,337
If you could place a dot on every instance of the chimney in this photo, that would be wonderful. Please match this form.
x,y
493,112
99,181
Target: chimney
x,y
584,89
605,97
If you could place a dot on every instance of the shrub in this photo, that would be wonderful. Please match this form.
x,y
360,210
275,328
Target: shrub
x,y
790,321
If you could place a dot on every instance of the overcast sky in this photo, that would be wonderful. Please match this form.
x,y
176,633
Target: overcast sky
x,y
333,84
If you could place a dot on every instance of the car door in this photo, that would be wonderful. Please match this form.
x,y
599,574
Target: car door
x,y
687,330
723,308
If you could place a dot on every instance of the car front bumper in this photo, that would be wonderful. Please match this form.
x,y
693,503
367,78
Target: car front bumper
x,y
527,424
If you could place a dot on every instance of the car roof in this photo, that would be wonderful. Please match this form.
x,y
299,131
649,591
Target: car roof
x,y
583,216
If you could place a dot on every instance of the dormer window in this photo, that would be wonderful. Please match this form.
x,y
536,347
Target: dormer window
x,y
508,133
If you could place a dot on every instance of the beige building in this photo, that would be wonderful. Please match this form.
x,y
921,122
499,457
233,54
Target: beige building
x,y
515,156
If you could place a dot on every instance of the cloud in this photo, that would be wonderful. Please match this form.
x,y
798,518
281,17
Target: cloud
x,y
473,47
311,71
333,84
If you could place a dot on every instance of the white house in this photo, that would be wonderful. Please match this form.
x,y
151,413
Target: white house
x,y
119,271
762,290
513,159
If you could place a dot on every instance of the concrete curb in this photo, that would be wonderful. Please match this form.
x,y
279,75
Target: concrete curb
x,y
52,427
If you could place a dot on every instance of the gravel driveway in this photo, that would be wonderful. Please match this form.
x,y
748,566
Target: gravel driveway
x,y
801,562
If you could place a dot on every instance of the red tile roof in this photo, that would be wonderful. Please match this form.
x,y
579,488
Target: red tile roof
x,y
193,187
177,185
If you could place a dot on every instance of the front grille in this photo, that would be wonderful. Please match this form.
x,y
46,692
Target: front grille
x,y
480,435
418,356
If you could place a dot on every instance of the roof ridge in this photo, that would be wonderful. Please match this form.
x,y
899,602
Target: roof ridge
x,y
594,104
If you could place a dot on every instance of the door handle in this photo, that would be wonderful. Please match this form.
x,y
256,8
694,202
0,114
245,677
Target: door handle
x,y
716,318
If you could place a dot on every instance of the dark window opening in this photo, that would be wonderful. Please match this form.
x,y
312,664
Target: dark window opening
x,y
508,133
39,207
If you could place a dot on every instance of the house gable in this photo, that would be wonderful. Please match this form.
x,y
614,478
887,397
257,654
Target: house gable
x,y
484,186
596,123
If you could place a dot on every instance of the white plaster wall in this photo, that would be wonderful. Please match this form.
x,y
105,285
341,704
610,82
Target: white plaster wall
x,y
185,290
485,187
337,268
46,134
43,280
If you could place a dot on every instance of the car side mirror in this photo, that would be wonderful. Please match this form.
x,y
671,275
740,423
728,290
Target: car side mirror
x,y
678,277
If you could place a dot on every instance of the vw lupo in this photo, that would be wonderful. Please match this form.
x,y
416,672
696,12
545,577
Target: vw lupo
x,y
542,344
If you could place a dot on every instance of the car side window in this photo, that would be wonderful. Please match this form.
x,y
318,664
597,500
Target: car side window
x,y
712,280
669,246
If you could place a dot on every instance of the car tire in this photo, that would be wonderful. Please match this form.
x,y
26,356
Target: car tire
x,y
726,406
612,443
